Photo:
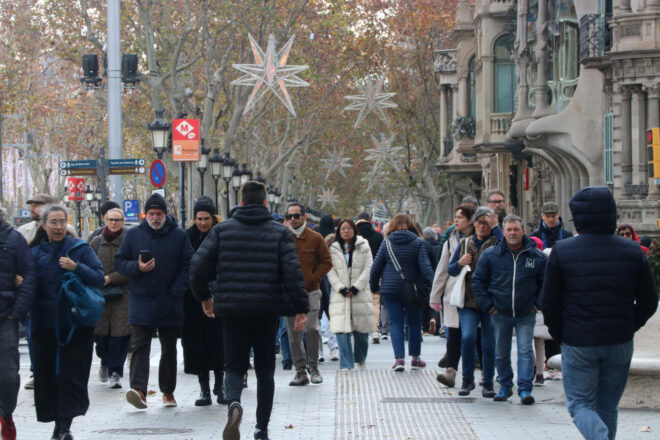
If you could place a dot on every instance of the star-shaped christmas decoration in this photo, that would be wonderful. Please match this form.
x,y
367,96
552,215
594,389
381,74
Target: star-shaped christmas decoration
x,y
270,72
384,153
371,99
335,162
328,197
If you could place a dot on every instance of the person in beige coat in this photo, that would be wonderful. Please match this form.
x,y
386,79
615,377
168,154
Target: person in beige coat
x,y
443,284
351,308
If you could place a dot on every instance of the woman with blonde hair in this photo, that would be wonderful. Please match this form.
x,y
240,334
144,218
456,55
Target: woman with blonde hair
x,y
408,249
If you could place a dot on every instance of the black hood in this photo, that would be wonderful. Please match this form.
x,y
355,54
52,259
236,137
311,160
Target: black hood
x,y
594,210
326,225
365,228
402,237
5,229
251,214
170,223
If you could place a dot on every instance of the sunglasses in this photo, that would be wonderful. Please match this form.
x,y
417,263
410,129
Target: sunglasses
x,y
290,216
625,234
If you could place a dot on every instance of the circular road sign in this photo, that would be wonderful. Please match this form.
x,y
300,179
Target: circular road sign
x,y
157,173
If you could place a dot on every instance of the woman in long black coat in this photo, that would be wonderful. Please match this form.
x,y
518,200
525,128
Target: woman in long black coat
x,y
203,350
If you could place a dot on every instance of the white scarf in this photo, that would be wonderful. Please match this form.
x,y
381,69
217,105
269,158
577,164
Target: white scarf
x,y
298,232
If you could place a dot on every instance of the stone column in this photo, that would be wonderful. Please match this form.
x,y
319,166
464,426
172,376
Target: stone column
x,y
641,167
454,101
541,54
443,113
522,61
653,120
626,140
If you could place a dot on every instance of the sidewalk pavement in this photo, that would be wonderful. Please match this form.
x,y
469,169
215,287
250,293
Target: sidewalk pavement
x,y
370,403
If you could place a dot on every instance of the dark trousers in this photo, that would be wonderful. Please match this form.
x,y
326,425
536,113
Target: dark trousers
x,y
10,380
62,396
453,346
241,333
112,351
141,345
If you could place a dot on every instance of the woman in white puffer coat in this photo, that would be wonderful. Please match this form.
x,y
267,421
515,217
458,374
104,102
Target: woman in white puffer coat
x,y
351,308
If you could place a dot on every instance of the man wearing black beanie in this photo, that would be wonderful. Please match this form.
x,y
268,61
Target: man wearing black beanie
x,y
156,255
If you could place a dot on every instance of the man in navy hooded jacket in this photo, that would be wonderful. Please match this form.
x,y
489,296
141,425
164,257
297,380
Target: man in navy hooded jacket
x,y
598,291
156,296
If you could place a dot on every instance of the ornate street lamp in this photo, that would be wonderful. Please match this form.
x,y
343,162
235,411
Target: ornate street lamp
x,y
202,165
259,178
159,129
216,171
278,199
236,178
271,198
227,171
246,175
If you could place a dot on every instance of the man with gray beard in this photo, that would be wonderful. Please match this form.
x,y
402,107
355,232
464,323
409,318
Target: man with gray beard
x,y
156,254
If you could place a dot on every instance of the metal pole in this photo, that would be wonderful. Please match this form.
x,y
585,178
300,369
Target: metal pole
x,y
227,194
114,96
215,179
79,218
201,181
182,189
102,172
1,193
25,168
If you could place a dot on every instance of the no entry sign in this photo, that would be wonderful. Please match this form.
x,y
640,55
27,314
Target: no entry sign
x,y
185,140
157,173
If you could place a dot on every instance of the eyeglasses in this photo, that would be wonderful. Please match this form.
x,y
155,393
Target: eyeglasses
x,y
481,223
115,220
290,216
497,202
55,223
625,234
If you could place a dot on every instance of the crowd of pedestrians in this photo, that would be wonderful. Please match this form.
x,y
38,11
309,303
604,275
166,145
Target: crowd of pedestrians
x,y
258,284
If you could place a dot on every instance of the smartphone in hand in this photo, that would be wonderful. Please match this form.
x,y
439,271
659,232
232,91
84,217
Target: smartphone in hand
x,y
146,255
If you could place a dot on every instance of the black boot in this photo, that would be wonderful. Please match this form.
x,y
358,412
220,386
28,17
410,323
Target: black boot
x,y
205,394
64,429
56,431
218,388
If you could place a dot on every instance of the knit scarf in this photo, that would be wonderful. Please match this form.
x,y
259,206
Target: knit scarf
x,y
109,235
298,232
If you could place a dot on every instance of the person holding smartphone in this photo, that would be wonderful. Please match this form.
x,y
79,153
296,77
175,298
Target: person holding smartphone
x,y
156,255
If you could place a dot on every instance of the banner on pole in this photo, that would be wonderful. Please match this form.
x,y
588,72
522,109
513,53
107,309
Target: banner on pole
x,y
185,140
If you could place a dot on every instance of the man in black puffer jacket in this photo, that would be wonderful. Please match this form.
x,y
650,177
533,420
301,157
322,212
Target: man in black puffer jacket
x,y
253,264
598,291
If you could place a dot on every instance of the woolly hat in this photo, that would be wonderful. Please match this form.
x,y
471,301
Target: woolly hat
x,y
481,211
156,201
204,204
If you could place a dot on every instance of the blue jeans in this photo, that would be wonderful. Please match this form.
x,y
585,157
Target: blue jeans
x,y
347,355
413,315
594,380
113,351
470,319
524,326
283,337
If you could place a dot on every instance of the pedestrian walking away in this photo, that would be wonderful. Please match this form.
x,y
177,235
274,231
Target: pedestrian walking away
x,y
156,255
507,284
594,320
410,252
203,349
59,396
18,280
351,308
250,301
112,333
315,262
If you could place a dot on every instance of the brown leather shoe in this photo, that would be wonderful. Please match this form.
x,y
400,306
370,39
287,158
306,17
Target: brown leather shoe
x,y
136,398
168,400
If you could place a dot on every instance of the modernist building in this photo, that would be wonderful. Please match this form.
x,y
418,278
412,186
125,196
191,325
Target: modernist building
x,y
542,97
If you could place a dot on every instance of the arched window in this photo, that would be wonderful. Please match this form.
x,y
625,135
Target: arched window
x,y
504,78
471,90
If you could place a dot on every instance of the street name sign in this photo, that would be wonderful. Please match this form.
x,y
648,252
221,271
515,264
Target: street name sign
x,y
77,167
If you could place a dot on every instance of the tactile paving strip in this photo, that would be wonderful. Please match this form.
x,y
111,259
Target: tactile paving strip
x,y
378,404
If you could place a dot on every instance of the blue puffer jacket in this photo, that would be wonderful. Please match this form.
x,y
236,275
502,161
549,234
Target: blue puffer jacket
x,y
16,260
599,288
156,297
410,251
508,282
46,257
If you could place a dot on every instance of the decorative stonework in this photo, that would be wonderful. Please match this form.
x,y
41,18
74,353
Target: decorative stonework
x,y
445,61
634,30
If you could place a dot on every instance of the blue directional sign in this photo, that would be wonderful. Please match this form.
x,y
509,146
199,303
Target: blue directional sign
x,y
126,163
131,209
66,164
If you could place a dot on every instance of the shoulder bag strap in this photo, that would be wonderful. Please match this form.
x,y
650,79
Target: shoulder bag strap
x,y
397,266
77,245
98,244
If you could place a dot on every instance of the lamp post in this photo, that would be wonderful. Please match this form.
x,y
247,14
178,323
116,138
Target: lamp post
x,y
89,197
236,177
159,129
227,171
216,171
271,198
259,178
246,175
202,165
278,199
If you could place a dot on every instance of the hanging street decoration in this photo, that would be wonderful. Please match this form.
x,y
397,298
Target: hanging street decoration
x,y
335,162
328,198
270,72
384,153
371,99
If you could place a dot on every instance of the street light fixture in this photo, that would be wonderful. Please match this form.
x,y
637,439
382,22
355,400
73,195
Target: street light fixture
x,y
271,198
202,165
227,171
246,175
159,129
236,178
278,199
216,171
259,178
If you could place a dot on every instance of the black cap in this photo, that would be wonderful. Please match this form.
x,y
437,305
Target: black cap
x,y
205,204
107,206
156,201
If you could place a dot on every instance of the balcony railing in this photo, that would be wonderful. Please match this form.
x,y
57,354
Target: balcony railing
x,y
500,123
595,36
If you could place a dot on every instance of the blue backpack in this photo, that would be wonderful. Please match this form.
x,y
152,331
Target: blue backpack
x,y
84,305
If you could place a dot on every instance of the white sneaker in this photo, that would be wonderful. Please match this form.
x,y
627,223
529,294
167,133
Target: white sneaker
x,y
115,381
375,338
384,336
103,374
334,354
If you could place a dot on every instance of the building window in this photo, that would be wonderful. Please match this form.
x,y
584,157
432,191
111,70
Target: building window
x,y
504,75
471,90
608,150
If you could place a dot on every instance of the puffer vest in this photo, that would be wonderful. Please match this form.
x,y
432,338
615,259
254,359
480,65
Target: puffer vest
x,y
469,246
